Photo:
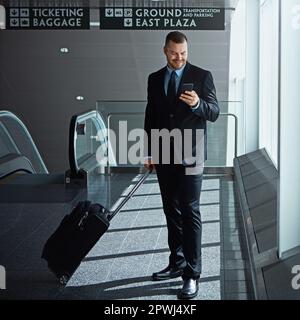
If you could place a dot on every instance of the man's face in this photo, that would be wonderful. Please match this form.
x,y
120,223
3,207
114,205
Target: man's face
x,y
176,54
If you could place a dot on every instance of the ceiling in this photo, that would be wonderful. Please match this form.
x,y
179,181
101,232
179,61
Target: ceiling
x,y
227,4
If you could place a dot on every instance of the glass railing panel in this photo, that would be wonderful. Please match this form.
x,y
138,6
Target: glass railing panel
x,y
222,136
84,143
15,139
128,131
90,141
121,118
112,107
221,141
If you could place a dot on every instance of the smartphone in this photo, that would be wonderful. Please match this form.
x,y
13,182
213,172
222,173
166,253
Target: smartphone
x,y
187,87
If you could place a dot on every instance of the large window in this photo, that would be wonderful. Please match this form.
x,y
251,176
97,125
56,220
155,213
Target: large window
x,y
289,169
268,88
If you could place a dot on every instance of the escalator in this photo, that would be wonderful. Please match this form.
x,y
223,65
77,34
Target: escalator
x,y
24,177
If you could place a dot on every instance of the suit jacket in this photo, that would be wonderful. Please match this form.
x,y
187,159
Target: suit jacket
x,y
160,114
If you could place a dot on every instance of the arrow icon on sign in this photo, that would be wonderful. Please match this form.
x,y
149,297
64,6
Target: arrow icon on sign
x,y
14,12
128,22
109,13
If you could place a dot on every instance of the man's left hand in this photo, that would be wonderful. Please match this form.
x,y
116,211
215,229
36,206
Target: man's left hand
x,y
190,98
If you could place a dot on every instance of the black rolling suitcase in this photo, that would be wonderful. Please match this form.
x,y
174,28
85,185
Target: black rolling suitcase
x,y
76,235
73,239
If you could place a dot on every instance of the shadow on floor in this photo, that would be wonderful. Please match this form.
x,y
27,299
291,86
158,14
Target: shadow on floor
x,y
136,288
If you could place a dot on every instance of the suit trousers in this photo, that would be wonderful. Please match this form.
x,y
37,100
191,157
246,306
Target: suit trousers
x,y
181,203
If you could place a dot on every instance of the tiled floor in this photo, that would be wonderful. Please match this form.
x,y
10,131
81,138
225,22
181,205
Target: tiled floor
x,y
135,246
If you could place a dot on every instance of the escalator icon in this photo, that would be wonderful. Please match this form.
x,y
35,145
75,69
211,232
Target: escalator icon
x,y
127,13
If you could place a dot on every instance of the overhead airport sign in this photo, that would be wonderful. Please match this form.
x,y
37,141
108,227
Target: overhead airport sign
x,y
47,18
162,18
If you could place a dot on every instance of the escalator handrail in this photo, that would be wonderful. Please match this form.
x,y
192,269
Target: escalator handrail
x,y
12,163
72,147
8,114
77,118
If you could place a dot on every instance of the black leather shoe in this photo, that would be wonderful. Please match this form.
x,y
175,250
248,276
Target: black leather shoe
x,y
189,290
168,273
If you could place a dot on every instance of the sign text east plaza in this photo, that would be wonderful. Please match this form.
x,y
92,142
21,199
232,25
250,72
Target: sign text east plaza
x,y
162,18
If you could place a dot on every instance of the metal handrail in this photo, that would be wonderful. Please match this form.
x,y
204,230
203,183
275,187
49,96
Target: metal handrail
x,y
113,101
236,135
142,113
12,163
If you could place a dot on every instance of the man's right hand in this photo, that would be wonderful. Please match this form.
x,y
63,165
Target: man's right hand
x,y
148,164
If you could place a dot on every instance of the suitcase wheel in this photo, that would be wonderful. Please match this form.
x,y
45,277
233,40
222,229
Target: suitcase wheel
x,y
63,279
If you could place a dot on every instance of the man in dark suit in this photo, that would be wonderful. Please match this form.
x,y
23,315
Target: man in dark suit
x,y
170,108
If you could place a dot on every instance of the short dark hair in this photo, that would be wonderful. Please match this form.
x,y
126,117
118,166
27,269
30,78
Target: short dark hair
x,y
176,36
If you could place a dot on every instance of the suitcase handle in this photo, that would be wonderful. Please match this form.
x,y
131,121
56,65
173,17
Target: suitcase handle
x,y
120,206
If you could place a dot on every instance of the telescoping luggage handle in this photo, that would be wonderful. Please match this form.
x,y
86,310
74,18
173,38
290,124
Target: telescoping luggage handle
x,y
120,206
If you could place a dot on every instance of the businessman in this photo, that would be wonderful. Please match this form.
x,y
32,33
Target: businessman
x,y
171,108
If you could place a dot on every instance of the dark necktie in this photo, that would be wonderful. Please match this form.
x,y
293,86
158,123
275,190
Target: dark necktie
x,y
171,94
